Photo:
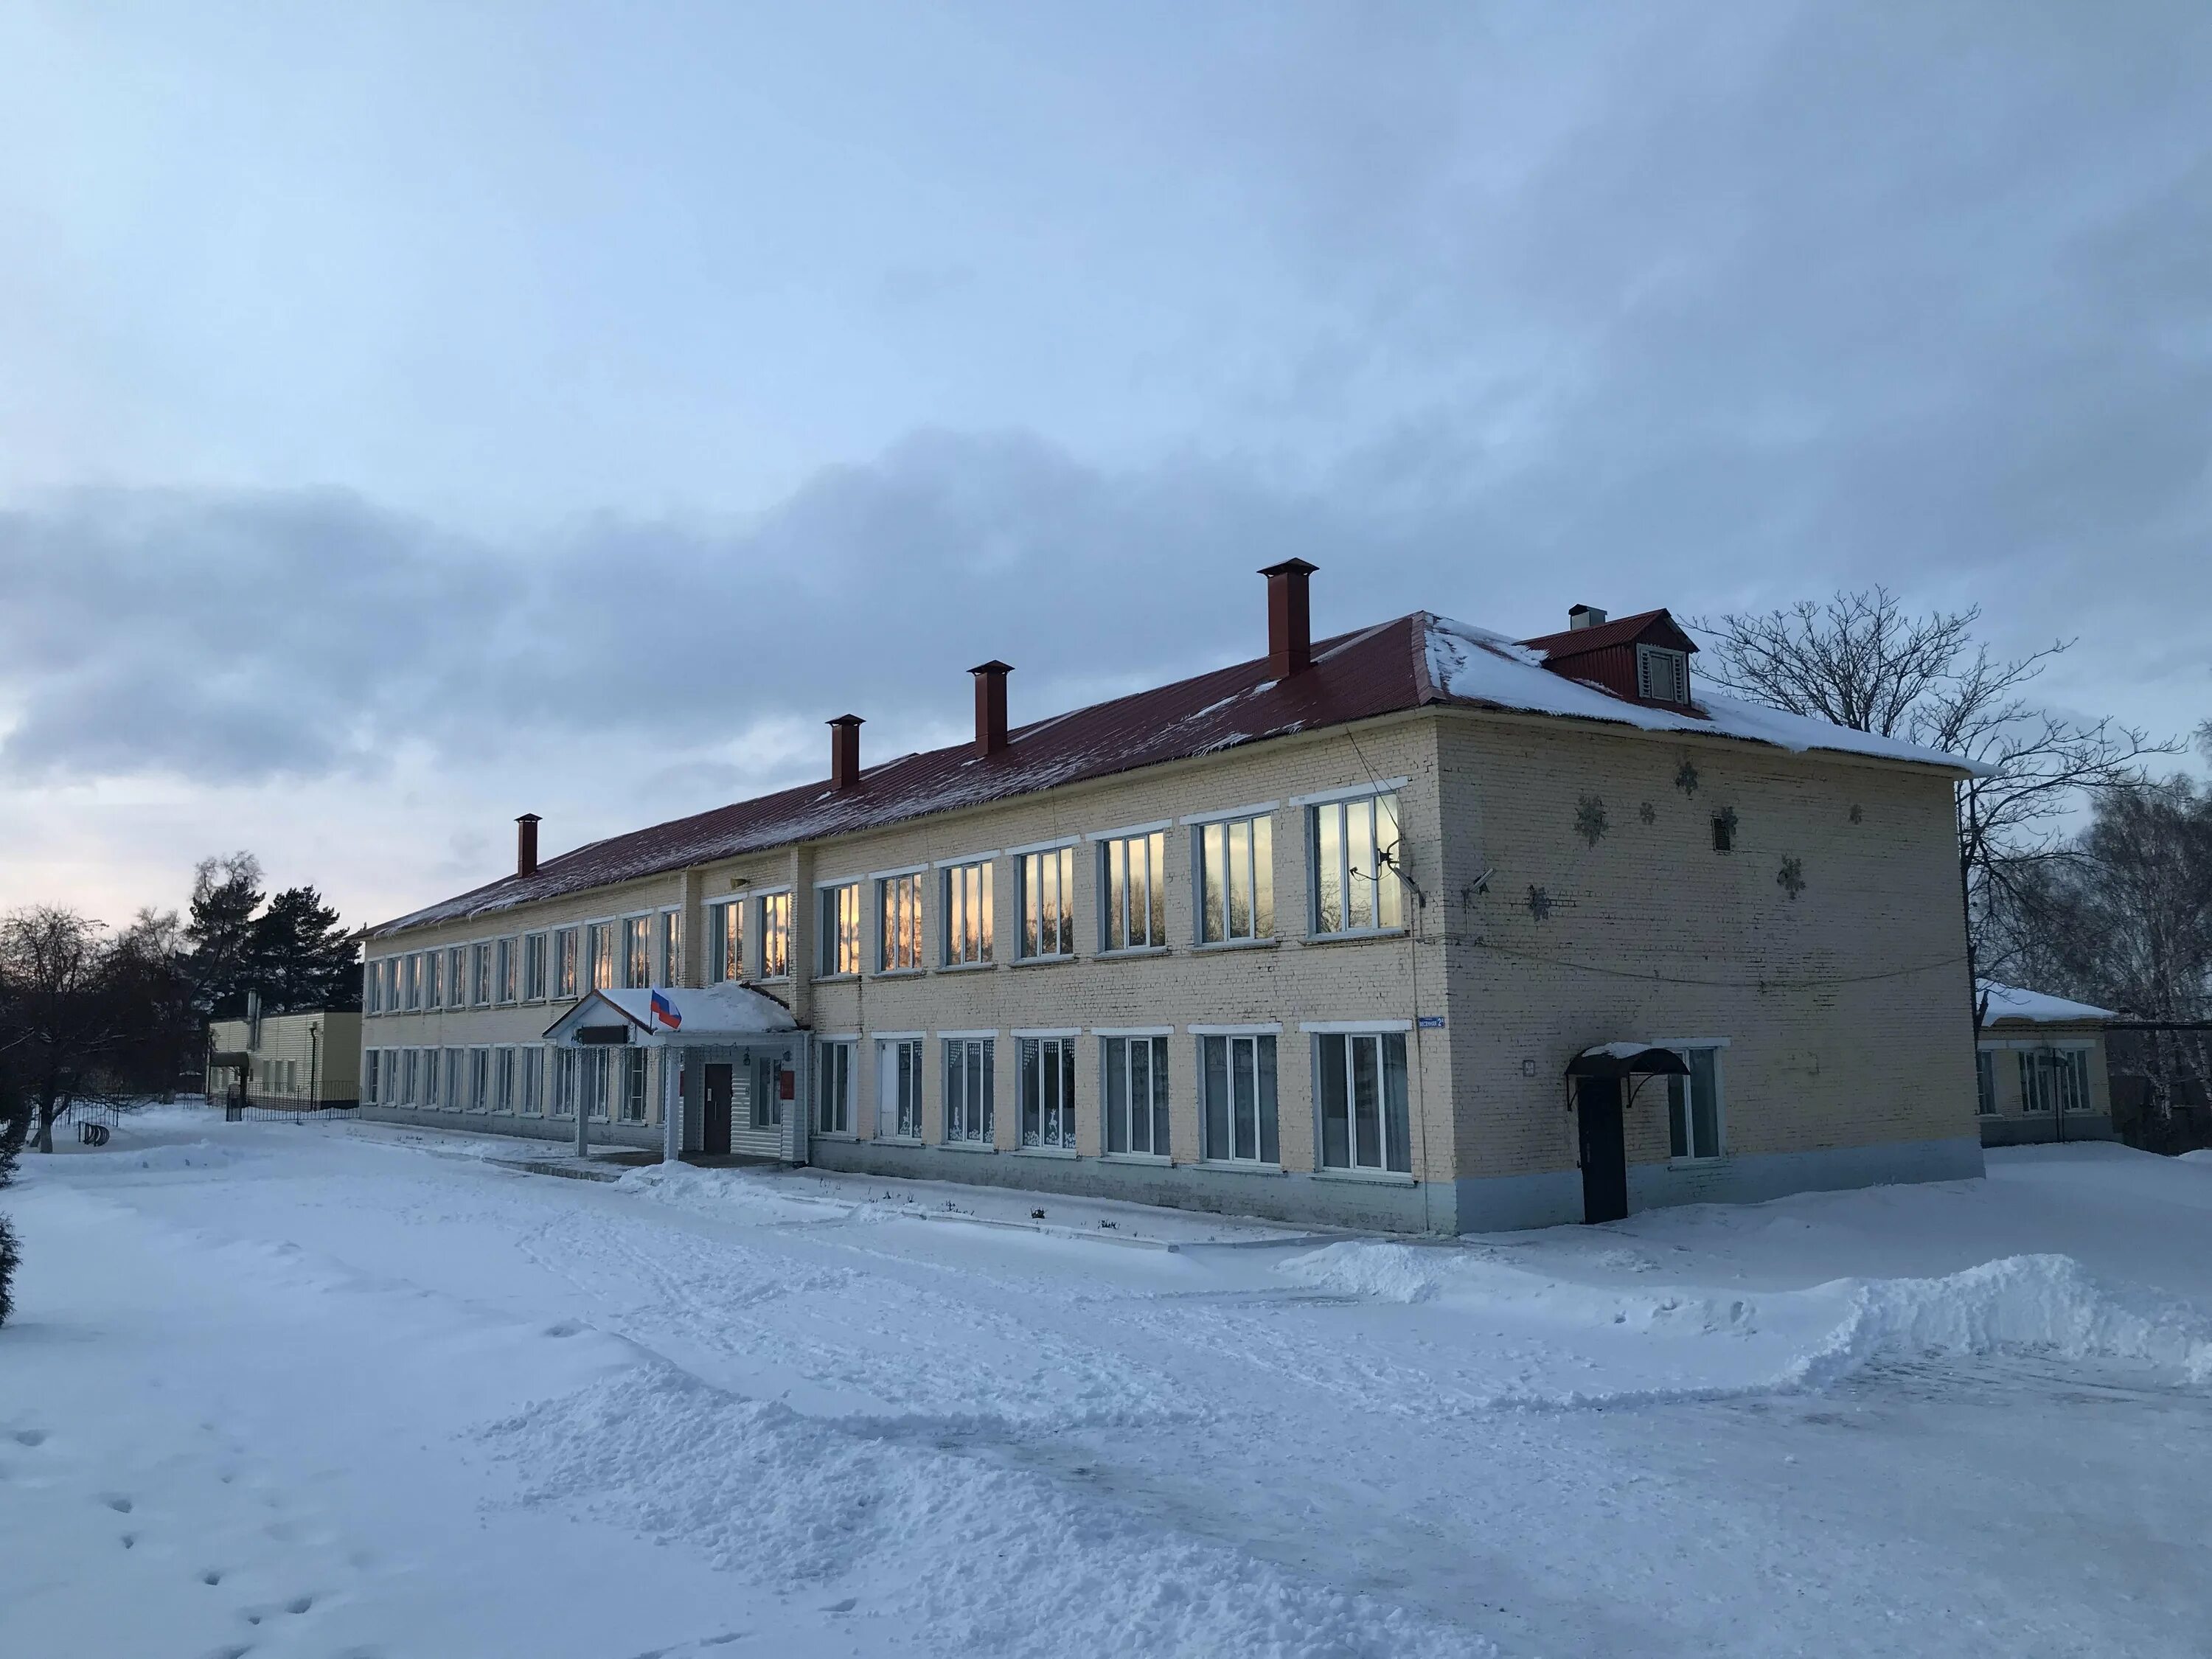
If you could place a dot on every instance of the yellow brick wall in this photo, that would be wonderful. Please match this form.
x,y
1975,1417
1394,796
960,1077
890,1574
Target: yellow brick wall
x,y
1846,1006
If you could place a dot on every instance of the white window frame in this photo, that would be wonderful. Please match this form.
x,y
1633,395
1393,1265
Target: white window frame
x,y
536,952
1044,1092
1232,1040
1377,1038
775,966
530,1090
1120,1111
723,958
479,1091
602,951
841,940
900,922
963,899
634,1077
633,948
972,1119
1985,1081
1262,918
1028,866
563,1078
481,983
1336,814
898,1094
433,979
372,986
565,971
1120,908
836,1060
668,943
1656,663
506,971
1681,1113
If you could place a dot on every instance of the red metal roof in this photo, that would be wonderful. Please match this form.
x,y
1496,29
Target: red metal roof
x,y
1404,664
1376,671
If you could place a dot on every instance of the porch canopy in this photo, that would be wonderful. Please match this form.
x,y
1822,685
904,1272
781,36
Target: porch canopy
x,y
1619,1060
662,1015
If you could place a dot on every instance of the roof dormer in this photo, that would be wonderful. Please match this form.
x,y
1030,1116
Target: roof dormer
x,y
1644,657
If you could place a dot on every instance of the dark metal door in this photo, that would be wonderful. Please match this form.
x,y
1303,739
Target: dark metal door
x,y
1604,1152
714,1080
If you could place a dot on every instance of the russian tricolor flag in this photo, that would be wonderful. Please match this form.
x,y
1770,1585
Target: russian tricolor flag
x,y
664,1012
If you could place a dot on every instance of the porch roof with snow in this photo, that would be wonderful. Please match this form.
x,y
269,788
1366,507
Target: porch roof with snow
x,y
2009,1005
1415,661
707,1013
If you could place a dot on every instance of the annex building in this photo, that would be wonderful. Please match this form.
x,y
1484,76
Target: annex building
x,y
1417,927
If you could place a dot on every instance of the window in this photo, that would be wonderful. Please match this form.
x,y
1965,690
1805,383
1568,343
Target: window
x,y
671,947
899,908
637,951
898,1089
372,986
509,973
841,929
1047,882
1132,892
1135,1077
564,962
1236,1080
596,1081
775,936
599,956
532,1102
411,981
1362,1085
480,974
2054,1079
406,1092
502,1081
726,941
767,1099
967,914
456,1080
633,1079
833,1090
1047,1091
457,982
1351,843
563,1066
1693,1106
370,1069
1985,1083
432,988
533,968
1236,879
967,1090
1723,831
479,1096
1662,674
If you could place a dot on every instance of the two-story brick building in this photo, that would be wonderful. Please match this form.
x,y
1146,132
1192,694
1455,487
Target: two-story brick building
x,y
1318,936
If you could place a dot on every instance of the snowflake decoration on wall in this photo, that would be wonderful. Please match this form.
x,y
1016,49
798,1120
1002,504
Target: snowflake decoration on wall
x,y
1790,878
1589,819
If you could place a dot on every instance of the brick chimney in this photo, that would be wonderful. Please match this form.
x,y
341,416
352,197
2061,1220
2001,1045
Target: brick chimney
x,y
1583,616
1289,621
526,844
991,705
845,751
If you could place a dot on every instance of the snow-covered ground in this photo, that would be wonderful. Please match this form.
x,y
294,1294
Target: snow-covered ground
x,y
338,1390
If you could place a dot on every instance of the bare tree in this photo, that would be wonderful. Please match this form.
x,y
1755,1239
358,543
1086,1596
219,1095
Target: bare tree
x,y
60,1022
1858,659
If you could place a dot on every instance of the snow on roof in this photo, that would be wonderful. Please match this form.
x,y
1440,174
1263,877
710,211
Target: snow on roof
x,y
1409,662
727,1009
1473,665
2009,1004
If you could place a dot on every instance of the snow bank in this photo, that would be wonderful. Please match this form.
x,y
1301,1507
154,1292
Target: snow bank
x,y
1780,1339
727,1195
985,1558
177,1155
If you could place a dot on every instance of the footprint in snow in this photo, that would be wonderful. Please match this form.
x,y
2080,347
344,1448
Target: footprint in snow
x,y
30,1437
563,1327
121,1505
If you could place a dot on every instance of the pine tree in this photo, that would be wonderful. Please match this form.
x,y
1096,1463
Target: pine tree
x,y
303,956
225,892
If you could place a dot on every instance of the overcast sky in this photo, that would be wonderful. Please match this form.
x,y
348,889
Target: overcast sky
x,y
412,415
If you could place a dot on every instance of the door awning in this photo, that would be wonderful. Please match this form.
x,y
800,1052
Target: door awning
x,y
1627,1060
662,1014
